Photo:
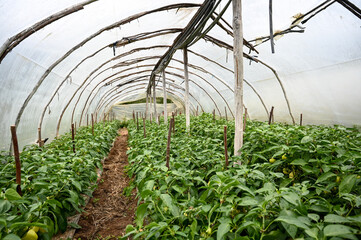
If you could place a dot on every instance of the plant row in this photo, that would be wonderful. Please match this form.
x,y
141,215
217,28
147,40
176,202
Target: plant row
x,y
54,182
299,182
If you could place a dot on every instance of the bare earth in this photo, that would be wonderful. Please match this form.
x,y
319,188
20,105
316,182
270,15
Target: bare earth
x,y
109,211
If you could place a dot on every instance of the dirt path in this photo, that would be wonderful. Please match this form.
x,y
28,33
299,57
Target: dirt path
x,y
109,211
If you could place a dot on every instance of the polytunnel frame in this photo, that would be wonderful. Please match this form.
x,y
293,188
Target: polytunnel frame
x,y
107,28
148,48
131,18
109,91
169,67
113,80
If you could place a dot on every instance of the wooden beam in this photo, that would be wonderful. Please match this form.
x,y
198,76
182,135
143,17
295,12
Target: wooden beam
x,y
146,105
155,103
165,98
21,36
238,74
186,86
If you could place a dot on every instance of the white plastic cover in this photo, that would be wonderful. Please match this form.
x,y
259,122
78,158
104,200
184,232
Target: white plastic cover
x,y
320,69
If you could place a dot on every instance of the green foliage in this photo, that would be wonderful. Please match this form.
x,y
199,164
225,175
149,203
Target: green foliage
x,y
311,191
54,181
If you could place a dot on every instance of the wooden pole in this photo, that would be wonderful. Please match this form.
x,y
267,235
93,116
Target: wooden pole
x,y
245,119
225,145
271,27
173,122
73,136
168,142
270,116
155,103
301,119
133,116
158,119
165,99
145,134
87,120
186,86
225,112
40,141
17,158
92,117
137,122
238,74
197,111
214,115
146,105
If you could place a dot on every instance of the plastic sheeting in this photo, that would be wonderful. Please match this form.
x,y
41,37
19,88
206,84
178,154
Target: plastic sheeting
x,y
320,69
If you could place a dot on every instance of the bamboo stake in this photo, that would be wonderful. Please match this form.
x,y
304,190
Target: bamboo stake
x,y
238,74
186,86
73,136
144,131
17,158
270,116
168,142
92,117
301,119
225,145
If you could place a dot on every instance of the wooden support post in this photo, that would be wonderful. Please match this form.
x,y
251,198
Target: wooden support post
x,y
186,86
245,119
40,141
301,119
168,142
96,117
87,120
146,105
155,103
225,145
214,115
137,122
165,113
238,74
133,116
158,119
173,122
17,158
270,116
271,27
197,111
225,113
92,117
73,136
145,134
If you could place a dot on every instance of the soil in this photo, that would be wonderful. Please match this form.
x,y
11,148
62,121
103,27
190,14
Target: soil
x,y
110,211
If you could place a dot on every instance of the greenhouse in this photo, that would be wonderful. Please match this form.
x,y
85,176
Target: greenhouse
x,y
167,119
